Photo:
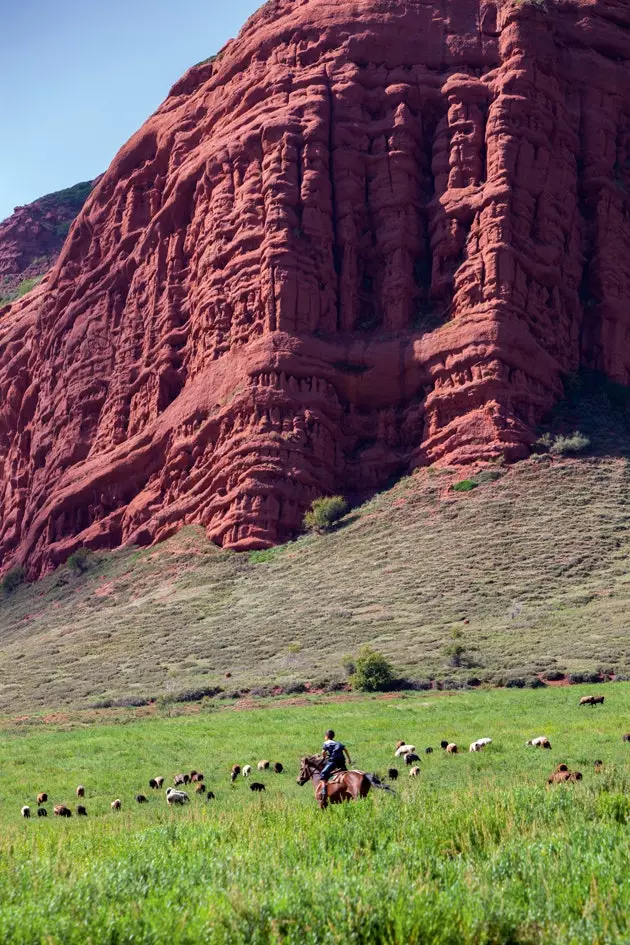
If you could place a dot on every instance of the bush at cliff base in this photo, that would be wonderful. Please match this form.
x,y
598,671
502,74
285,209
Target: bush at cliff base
x,y
373,672
324,513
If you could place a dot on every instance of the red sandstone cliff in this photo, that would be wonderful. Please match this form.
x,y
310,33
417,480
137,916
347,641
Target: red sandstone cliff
x,y
368,235
32,237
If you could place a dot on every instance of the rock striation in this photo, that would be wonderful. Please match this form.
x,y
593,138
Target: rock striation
x,y
32,237
366,236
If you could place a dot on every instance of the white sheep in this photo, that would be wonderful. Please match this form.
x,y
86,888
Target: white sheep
x,y
26,811
415,771
247,770
176,797
262,765
404,750
479,744
541,742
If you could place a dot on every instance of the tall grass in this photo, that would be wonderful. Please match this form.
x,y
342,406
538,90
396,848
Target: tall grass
x,y
477,850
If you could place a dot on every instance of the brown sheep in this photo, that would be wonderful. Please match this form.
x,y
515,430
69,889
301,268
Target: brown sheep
x,y
392,773
415,771
585,700
42,812
60,810
236,770
42,798
575,776
80,792
81,811
278,767
558,777
599,766
116,805
256,786
626,737
142,799
200,789
400,744
451,749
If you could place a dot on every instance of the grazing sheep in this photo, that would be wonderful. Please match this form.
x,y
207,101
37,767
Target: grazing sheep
x,y
410,758
42,812
236,770
153,784
176,797
597,700
80,792
626,737
451,749
599,766
262,765
541,742
159,781
444,744
392,773
198,777
81,811
116,805
278,767
60,810
415,771
200,789
210,796
591,700
247,770
42,798
256,786
193,775
480,744
142,799
400,743
26,811
428,751
404,749
180,779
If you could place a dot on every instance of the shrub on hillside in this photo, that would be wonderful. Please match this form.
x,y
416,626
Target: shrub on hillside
x,y
568,445
81,560
373,672
12,580
464,485
325,512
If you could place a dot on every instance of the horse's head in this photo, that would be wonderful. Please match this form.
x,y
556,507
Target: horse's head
x,y
308,766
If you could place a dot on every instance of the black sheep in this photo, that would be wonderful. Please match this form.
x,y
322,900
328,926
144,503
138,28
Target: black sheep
x,y
81,811
256,786
410,758
392,774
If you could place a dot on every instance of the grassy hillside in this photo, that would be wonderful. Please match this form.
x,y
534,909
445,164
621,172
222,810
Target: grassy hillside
x,y
475,850
529,571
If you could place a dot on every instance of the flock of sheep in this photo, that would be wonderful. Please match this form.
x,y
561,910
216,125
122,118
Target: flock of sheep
x,y
175,796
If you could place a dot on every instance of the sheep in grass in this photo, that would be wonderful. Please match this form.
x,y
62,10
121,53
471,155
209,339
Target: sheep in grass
x,y
176,797
60,810
200,789
159,781
81,811
181,779
247,770
26,811
480,744
198,778
210,796
403,748
451,748
142,799
263,765
80,792
428,751
256,786
42,812
415,771
42,797
392,773
540,742
410,758
278,767
116,805
236,770
153,784
626,738
599,766
444,744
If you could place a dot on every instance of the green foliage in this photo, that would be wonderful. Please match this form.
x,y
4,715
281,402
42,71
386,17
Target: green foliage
x,y
373,672
325,513
349,665
265,554
464,485
81,560
12,580
26,285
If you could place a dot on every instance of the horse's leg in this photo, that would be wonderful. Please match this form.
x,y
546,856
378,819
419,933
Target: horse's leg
x,y
321,800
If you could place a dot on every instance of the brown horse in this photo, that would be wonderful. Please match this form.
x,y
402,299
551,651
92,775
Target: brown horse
x,y
344,785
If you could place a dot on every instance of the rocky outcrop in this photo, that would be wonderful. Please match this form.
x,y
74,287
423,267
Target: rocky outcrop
x,y
364,237
32,237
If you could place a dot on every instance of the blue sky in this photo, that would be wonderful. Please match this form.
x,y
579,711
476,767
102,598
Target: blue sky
x,y
78,77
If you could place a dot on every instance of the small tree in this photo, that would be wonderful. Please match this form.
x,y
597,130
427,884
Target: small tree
x,y
12,580
324,512
373,672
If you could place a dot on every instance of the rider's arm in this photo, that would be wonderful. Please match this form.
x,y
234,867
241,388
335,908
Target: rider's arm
x,y
347,754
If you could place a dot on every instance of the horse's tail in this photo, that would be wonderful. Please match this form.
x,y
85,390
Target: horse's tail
x,y
376,782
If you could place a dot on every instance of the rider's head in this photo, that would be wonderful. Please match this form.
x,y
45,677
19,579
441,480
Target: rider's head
x,y
330,733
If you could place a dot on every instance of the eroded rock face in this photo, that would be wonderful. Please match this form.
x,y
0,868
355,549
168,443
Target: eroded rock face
x,y
32,237
367,236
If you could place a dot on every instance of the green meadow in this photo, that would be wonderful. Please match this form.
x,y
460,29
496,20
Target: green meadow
x,y
476,850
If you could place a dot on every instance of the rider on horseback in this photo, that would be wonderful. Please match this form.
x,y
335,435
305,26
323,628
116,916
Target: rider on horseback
x,y
335,761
